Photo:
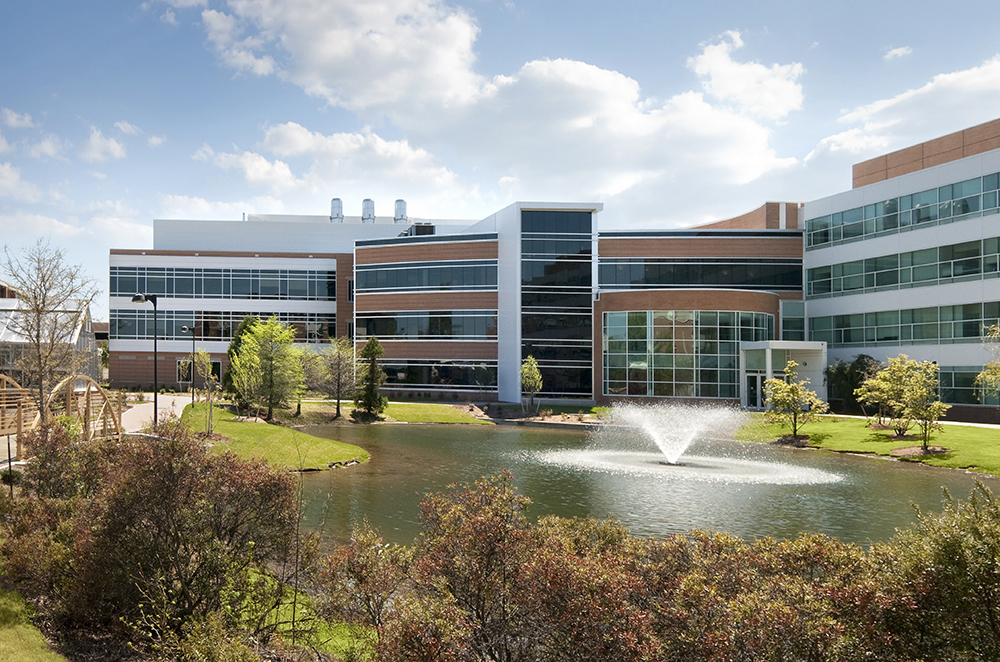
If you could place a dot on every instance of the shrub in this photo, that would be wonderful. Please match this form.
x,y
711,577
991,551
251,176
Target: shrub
x,y
11,477
156,535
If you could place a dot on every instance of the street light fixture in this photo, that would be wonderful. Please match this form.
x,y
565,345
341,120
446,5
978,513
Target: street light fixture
x,y
151,298
190,329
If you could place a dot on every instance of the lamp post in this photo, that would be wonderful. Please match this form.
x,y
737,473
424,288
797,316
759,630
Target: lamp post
x,y
190,329
151,298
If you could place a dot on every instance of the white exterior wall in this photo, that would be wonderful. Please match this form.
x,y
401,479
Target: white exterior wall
x,y
166,303
266,236
508,227
931,235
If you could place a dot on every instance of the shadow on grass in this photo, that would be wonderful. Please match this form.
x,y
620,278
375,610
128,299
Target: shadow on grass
x,y
818,438
880,437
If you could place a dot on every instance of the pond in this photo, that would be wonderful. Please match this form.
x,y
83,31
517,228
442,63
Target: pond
x,y
747,489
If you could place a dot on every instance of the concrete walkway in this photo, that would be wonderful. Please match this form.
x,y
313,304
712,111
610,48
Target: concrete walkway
x,y
141,416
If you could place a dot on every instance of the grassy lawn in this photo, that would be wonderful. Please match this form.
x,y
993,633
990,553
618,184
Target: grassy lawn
x,y
19,639
317,413
417,412
968,447
280,446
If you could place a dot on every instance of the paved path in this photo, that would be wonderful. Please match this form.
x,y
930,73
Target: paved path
x,y
141,416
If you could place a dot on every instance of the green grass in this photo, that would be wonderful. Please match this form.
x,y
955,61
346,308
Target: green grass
x,y
319,413
280,446
19,639
343,640
339,638
414,412
968,447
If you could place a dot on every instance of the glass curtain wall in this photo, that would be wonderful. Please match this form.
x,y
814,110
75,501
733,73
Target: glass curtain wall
x,y
556,299
678,353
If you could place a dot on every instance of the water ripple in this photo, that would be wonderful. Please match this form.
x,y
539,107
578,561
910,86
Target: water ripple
x,y
693,467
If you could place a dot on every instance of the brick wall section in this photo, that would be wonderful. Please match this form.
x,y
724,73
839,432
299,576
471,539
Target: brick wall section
x,y
428,252
135,369
954,146
345,307
765,217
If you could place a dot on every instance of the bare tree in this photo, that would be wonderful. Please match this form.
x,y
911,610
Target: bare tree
x,y
203,365
331,371
338,360
53,306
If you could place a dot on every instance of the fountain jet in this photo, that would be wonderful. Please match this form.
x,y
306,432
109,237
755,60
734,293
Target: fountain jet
x,y
674,427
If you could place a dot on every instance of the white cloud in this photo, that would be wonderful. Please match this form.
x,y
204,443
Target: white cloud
x,y
239,54
169,17
203,153
948,102
554,129
99,148
760,90
16,121
189,207
49,147
184,4
4,145
126,128
259,171
563,129
355,54
897,53
356,157
12,186
15,224
156,141
852,141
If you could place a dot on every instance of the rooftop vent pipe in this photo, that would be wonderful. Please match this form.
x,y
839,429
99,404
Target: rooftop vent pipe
x,y
368,211
400,216
336,211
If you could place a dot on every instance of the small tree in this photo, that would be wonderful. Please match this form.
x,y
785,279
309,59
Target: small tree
x,y
907,391
53,302
531,379
887,391
371,377
337,378
921,402
789,402
232,352
267,352
203,366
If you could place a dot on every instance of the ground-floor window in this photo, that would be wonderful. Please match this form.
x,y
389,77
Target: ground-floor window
x,y
678,353
437,374
958,386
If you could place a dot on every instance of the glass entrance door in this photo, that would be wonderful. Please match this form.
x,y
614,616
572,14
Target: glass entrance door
x,y
755,391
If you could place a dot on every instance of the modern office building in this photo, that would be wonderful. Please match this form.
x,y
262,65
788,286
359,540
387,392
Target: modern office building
x,y
703,313
907,261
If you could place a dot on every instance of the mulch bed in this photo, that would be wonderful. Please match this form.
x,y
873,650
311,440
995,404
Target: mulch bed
x,y
916,451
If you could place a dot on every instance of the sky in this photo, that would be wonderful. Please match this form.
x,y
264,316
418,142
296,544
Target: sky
x,y
116,113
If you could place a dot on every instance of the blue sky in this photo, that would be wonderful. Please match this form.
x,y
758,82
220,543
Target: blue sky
x,y
116,113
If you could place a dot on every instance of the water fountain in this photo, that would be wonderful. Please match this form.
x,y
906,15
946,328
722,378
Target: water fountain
x,y
674,427
622,446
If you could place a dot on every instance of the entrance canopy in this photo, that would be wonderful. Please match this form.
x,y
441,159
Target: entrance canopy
x,y
766,359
